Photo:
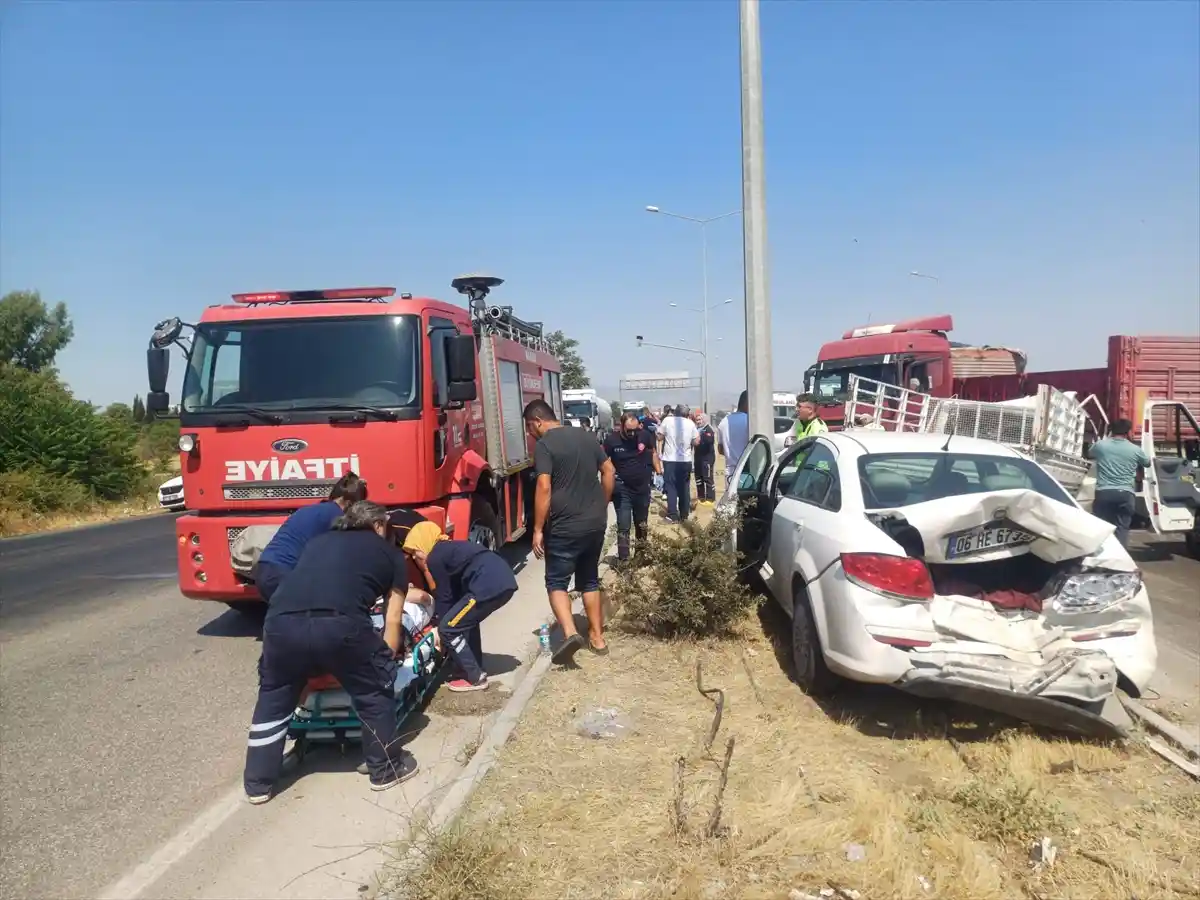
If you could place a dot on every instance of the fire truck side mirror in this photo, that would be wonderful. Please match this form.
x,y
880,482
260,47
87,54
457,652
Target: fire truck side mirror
x,y
460,361
158,366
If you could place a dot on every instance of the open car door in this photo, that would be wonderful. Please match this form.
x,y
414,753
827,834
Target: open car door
x,y
746,493
1171,489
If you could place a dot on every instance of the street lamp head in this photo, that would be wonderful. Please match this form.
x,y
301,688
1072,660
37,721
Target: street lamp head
x,y
673,303
652,209
639,340
730,300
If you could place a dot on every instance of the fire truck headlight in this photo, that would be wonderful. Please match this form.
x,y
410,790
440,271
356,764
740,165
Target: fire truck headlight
x,y
187,443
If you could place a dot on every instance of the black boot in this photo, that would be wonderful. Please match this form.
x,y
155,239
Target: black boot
x,y
623,546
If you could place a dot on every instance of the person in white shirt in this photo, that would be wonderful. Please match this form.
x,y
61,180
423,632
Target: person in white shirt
x,y
733,434
678,437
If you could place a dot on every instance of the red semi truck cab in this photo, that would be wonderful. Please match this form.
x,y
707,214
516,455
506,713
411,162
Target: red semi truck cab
x,y
286,391
917,353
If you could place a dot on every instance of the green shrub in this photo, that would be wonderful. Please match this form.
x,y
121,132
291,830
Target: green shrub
x,y
685,584
159,441
40,493
47,432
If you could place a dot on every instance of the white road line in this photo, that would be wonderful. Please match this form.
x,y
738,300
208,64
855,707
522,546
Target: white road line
x,y
135,883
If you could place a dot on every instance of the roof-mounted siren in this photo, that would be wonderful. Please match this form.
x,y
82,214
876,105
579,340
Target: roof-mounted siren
x,y
476,288
322,296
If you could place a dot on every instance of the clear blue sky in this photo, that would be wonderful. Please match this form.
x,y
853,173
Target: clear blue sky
x,y
1040,158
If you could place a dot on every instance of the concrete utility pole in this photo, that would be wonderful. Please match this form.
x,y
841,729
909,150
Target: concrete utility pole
x,y
754,224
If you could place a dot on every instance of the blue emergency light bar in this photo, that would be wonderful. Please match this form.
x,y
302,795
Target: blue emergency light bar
x,y
361,293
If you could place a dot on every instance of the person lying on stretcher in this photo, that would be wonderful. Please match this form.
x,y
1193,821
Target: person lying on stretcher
x,y
469,583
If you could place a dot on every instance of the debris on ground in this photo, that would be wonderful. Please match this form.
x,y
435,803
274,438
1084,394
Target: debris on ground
x,y
1042,855
855,852
604,724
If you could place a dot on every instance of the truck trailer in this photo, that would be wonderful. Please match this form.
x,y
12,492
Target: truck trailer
x,y
286,391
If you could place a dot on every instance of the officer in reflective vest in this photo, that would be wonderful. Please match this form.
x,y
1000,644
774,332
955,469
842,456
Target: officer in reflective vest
x,y
808,423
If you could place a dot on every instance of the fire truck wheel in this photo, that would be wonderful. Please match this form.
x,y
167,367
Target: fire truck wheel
x,y
485,524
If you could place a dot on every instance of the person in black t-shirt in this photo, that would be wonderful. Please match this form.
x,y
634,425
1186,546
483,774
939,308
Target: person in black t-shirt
x,y
570,518
634,454
319,622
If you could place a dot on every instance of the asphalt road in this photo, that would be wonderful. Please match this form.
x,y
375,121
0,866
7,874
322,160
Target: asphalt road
x,y
124,703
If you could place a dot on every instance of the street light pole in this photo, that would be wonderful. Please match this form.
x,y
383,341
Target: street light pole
x,y
754,188
703,223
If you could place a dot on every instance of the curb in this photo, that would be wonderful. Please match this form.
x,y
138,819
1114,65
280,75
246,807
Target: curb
x,y
452,805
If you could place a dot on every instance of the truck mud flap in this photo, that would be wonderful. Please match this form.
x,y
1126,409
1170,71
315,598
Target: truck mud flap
x,y
1041,711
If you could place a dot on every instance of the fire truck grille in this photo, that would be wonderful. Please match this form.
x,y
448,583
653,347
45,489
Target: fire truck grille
x,y
279,490
232,534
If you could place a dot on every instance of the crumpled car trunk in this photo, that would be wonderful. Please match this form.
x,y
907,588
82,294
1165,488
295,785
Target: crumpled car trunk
x,y
1030,595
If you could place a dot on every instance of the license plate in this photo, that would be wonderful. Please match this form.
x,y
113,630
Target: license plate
x,y
984,538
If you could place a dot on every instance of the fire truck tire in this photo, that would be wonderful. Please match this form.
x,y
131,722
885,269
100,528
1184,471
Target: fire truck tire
x,y
485,524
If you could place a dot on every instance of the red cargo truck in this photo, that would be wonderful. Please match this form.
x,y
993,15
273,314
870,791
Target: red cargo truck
x,y
286,391
920,354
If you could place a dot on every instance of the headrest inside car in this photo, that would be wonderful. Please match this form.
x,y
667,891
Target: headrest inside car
x,y
889,488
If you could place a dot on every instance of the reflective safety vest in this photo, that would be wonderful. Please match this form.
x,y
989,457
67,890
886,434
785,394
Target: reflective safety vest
x,y
800,430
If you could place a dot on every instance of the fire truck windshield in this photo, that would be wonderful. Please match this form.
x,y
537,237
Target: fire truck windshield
x,y
830,380
303,364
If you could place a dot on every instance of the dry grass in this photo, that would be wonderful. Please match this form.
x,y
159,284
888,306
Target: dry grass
x,y
15,522
946,802
564,816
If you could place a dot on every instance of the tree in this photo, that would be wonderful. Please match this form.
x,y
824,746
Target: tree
x,y
574,374
617,410
121,411
32,334
139,409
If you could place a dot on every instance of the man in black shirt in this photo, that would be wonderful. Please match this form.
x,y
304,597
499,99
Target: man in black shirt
x,y
570,518
319,622
634,455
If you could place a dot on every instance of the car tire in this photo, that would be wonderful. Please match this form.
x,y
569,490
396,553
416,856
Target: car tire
x,y
1191,541
808,659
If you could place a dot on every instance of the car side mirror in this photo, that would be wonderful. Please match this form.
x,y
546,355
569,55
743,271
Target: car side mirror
x,y
158,402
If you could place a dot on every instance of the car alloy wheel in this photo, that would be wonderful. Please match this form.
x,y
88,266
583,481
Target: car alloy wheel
x,y
812,674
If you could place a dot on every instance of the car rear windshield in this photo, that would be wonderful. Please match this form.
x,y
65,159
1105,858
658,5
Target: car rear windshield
x,y
902,479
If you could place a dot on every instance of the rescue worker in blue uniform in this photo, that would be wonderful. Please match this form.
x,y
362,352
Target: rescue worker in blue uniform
x,y
280,556
634,454
469,582
318,623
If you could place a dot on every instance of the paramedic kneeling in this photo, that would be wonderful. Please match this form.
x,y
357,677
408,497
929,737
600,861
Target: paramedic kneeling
x,y
280,556
319,622
469,583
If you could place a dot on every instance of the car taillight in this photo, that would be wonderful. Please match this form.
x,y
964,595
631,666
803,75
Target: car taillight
x,y
901,577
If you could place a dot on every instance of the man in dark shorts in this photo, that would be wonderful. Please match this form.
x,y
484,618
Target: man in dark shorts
x,y
319,622
570,517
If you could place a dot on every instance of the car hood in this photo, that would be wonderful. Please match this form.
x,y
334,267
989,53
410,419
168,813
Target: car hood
x,y
1060,531
171,484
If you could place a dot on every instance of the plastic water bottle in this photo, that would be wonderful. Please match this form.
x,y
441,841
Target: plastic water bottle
x,y
544,636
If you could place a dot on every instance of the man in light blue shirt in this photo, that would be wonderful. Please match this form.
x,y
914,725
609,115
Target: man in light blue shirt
x,y
1117,462
733,434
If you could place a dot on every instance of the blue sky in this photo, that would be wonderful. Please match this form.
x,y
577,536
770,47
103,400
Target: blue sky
x,y
1040,158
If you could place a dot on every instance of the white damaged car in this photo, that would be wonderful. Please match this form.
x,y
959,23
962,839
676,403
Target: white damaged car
x,y
948,567
170,494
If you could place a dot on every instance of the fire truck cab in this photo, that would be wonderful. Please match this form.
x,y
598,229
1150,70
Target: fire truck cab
x,y
286,391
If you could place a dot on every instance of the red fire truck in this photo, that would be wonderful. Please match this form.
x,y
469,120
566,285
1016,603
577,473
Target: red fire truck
x,y
286,391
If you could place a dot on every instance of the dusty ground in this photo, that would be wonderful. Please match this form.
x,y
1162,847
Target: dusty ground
x,y
13,523
872,792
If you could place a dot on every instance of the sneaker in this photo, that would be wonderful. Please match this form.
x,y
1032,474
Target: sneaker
x,y
566,651
463,686
257,799
403,770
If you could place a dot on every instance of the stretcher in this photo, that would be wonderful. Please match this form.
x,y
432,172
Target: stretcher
x,y
325,714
